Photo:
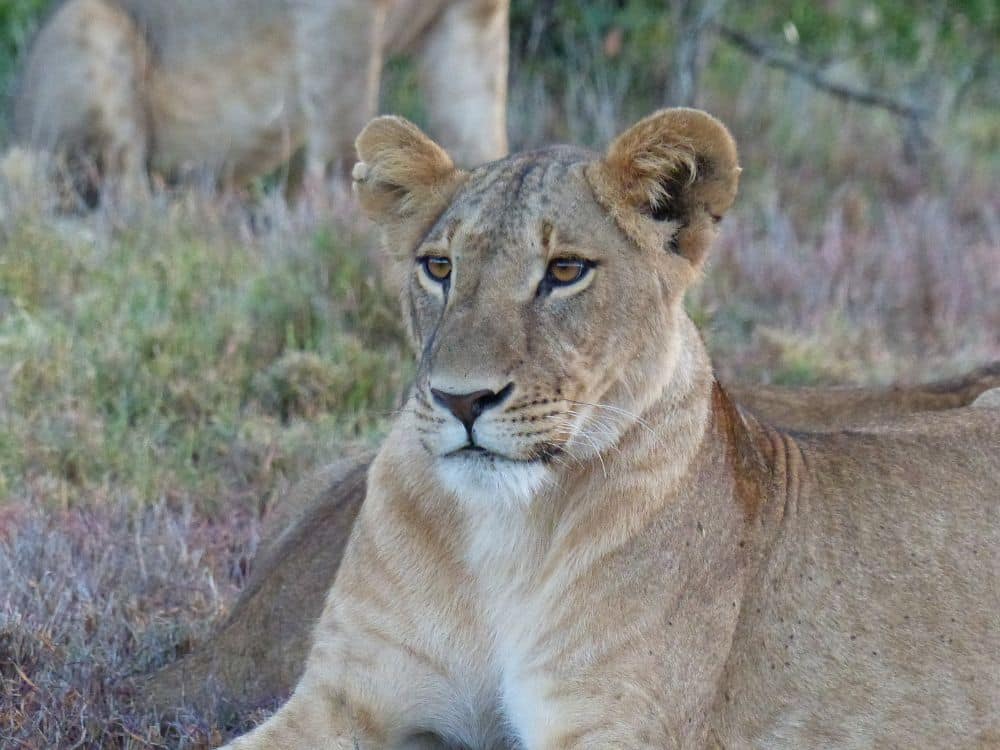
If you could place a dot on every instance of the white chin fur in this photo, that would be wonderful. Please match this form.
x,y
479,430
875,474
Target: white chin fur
x,y
478,479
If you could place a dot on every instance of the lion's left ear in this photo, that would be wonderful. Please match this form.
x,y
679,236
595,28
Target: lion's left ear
x,y
668,180
403,180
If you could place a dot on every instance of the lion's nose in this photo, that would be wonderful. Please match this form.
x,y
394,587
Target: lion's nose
x,y
468,406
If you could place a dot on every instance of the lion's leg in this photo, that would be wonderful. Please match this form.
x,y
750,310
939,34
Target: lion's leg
x,y
119,62
304,722
82,94
316,725
355,695
463,66
339,59
378,674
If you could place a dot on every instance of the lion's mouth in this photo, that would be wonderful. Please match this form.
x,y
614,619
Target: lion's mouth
x,y
468,450
473,452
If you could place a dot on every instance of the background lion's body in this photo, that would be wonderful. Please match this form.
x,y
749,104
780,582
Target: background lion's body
x,y
233,89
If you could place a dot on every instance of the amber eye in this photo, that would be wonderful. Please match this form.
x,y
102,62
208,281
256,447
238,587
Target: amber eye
x,y
565,271
437,267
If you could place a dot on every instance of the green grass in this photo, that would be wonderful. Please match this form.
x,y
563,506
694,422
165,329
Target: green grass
x,y
158,361
163,377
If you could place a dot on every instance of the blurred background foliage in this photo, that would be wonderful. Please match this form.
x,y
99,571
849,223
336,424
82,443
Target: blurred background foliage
x,y
18,21
889,40
939,56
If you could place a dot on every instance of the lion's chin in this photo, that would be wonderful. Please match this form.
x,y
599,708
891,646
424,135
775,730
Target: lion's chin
x,y
477,476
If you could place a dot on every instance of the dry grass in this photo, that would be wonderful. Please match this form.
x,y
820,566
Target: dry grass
x,y
164,374
92,596
875,291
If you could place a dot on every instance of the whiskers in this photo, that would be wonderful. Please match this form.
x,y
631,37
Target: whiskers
x,y
572,436
623,414
393,413
597,427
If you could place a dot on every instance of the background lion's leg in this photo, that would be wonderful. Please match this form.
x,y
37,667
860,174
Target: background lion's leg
x,y
119,67
463,71
339,59
824,409
82,95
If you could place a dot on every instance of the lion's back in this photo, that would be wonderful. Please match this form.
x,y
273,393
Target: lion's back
x,y
880,599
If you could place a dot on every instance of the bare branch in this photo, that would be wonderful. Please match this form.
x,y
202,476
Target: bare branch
x,y
980,68
819,78
691,18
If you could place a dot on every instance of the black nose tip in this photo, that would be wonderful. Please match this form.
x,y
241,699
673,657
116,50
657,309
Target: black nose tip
x,y
468,406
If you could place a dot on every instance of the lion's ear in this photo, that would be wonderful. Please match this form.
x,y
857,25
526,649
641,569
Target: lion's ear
x,y
402,174
669,179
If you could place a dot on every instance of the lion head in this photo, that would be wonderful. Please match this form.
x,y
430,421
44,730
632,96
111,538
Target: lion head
x,y
543,292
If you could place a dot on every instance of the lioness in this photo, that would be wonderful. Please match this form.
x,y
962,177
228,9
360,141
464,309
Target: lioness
x,y
573,539
257,653
235,87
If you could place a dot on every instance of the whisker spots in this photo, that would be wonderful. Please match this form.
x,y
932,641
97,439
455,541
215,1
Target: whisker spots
x,y
424,417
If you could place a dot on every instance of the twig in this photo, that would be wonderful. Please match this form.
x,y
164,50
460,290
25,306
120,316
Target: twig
x,y
817,77
980,68
23,676
691,18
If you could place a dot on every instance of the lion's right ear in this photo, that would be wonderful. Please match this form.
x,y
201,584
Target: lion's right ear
x,y
668,180
403,177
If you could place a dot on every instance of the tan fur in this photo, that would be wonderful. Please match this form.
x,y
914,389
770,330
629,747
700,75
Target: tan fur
x,y
989,399
232,88
256,656
634,563
690,168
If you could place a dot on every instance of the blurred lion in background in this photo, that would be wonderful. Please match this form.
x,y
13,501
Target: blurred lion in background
x,y
234,88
